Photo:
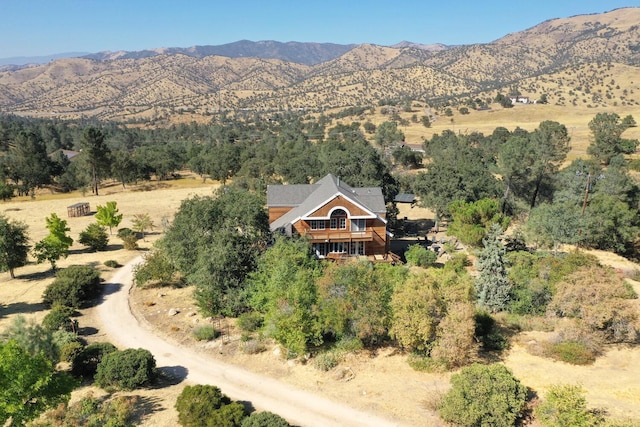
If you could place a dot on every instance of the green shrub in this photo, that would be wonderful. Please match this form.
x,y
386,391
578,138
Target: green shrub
x,y
483,395
156,270
205,405
420,256
70,350
73,286
95,237
85,363
205,333
127,369
250,321
349,344
59,318
129,238
68,343
574,352
326,361
112,263
264,419
487,332
564,406
93,412
422,363
458,262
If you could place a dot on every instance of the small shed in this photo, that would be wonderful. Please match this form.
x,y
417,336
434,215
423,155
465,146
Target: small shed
x,y
78,209
405,198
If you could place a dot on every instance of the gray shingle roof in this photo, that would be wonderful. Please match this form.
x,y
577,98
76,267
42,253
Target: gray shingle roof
x,y
306,197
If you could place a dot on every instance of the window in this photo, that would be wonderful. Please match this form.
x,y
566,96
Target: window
x,y
337,247
338,219
358,224
357,248
320,249
317,224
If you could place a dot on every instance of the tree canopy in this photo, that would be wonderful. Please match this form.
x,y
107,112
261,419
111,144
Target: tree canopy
x,y
14,245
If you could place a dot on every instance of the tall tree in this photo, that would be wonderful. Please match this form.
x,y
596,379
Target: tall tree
x,y
457,171
492,286
388,135
14,246
514,162
283,289
606,137
215,242
549,145
29,166
96,155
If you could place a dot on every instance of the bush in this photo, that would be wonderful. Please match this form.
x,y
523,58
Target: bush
x,y
483,395
127,369
91,411
326,361
85,363
264,419
572,352
250,321
487,332
95,237
73,286
205,405
565,405
111,263
70,350
59,318
420,256
129,238
205,333
457,263
155,271
253,346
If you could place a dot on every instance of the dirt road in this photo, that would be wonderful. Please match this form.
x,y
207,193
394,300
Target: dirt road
x,y
297,406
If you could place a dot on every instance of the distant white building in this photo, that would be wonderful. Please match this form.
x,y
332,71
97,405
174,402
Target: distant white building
x,y
520,100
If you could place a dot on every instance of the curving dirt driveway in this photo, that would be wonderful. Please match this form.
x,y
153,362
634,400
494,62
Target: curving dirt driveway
x,y
297,406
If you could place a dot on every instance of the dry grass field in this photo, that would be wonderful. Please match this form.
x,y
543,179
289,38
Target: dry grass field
x,y
383,382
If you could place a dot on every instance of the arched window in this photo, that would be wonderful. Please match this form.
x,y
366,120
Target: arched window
x,y
338,219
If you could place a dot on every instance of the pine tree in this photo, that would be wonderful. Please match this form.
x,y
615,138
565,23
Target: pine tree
x,y
492,287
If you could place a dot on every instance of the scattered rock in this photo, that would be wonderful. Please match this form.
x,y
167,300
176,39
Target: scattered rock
x,y
172,312
161,295
277,352
193,313
291,363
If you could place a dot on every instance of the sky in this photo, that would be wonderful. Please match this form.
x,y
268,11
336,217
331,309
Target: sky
x,y
44,27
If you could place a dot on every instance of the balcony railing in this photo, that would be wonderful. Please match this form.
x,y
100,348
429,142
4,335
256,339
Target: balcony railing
x,y
339,236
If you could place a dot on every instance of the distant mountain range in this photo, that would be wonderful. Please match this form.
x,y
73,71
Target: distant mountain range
x,y
17,62
571,60
301,53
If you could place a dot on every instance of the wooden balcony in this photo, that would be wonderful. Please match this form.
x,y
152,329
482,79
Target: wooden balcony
x,y
316,236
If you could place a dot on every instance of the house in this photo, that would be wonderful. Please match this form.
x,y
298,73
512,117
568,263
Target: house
x,y
340,221
69,154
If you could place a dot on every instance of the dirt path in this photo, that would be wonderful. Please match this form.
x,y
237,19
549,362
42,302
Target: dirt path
x,y
298,406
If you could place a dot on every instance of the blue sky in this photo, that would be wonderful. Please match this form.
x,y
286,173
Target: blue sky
x,y
42,27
